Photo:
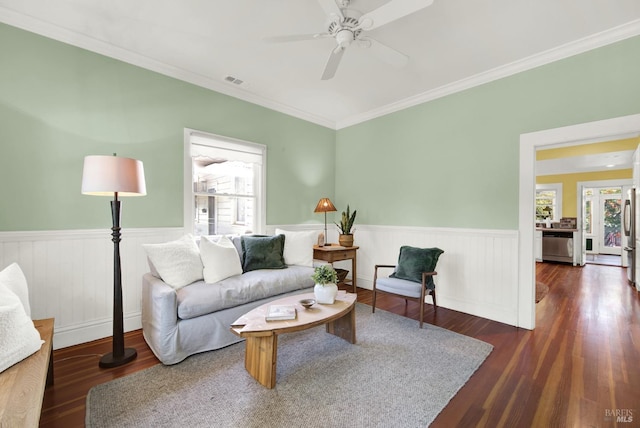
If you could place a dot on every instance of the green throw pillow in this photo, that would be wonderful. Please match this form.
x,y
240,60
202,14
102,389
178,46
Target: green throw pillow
x,y
413,261
262,252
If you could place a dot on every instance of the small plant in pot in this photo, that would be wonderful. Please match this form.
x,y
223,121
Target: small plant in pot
x,y
325,289
346,225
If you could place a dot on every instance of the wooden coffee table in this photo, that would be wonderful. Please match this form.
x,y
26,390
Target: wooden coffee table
x,y
261,336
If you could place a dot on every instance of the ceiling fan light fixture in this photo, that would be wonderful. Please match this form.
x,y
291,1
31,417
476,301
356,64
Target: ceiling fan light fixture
x,y
346,27
344,37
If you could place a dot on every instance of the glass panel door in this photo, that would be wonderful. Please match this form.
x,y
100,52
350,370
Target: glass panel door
x,y
611,205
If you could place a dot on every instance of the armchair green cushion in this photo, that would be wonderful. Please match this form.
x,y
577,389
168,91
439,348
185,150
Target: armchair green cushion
x,y
413,261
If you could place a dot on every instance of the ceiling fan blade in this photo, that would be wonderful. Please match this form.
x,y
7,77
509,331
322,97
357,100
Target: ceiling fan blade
x,y
332,63
391,11
331,8
387,54
295,37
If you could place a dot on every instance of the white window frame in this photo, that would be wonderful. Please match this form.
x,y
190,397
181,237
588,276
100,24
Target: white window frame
x,y
229,144
557,187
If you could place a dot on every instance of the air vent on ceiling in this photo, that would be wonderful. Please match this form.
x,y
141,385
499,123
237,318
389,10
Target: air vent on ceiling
x,y
234,80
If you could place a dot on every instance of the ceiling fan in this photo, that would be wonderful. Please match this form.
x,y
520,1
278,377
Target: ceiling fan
x,y
347,26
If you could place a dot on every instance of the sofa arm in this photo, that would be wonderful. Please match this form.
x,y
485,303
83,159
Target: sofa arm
x,y
159,314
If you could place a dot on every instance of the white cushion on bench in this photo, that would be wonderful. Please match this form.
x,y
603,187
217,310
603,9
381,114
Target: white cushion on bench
x,y
13,278
18,336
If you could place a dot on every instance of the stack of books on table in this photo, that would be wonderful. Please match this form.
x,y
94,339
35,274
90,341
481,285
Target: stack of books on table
x,y
281,312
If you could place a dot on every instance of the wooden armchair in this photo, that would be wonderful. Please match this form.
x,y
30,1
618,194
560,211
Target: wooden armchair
x,y
412,278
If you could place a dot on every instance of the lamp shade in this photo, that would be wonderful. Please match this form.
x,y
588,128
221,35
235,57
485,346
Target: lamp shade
x,y
106,175
324,206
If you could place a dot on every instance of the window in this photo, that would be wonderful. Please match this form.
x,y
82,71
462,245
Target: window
x,y
224,185
588,211
548,202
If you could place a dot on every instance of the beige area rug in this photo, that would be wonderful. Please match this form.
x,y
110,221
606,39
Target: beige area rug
x,y
396,375
541,290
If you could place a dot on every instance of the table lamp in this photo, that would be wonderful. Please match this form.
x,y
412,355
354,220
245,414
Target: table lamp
x,y
324,206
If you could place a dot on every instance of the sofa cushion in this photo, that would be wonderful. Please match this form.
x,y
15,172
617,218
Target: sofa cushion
x,y
178,262
262,252
220,259
413,261
298,246
13,278
18,335
202,298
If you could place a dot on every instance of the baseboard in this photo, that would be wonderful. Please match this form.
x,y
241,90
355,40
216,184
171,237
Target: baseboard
x,y
87,332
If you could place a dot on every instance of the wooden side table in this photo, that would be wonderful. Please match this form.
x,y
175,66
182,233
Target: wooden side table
x,y
336,253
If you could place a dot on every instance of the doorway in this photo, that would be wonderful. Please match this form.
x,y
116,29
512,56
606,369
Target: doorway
x,y
591,131
602,224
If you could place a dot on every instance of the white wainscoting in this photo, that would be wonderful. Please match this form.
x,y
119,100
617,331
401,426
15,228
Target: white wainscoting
x,y
477,274
70,277
70,273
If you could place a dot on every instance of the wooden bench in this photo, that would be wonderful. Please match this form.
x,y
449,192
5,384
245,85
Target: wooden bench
x,y
22,385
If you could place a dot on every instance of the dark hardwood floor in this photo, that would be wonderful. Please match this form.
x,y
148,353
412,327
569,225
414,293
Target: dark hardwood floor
x,y
580,366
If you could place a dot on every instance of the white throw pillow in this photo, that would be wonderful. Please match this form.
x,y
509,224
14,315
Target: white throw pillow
x,y
13,278
18,336
177,262
298,246
220,259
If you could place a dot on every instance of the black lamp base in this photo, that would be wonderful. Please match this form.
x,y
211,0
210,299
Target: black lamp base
x,y
108,361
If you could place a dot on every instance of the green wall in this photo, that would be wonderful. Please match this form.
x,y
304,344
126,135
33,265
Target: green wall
x,y
453,162
59,103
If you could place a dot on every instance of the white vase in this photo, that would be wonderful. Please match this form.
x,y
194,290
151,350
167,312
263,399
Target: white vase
x,y
325,294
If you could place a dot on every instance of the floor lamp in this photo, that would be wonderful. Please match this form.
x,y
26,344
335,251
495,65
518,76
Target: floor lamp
x,y
114,176
325,206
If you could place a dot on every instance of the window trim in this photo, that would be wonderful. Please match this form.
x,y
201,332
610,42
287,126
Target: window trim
x,y
558,189
226,142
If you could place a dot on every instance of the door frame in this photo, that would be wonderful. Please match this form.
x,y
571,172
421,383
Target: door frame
x,y
590,132
581,185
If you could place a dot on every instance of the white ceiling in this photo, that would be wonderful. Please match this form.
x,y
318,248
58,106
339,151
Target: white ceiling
x,y
452,45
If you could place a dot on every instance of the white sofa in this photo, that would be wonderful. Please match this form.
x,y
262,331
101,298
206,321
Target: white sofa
x,y
179,321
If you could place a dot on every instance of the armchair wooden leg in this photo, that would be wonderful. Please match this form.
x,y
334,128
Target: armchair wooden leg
x,y
422,296
373,300
433,295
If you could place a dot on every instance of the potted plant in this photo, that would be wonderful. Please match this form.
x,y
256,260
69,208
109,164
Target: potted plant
x,y
325,289
346,224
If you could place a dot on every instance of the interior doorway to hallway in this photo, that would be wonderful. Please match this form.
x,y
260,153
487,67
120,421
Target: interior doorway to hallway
x,y
601,130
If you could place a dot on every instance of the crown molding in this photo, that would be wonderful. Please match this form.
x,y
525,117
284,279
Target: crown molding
x,y
567,50
51,31
54,32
